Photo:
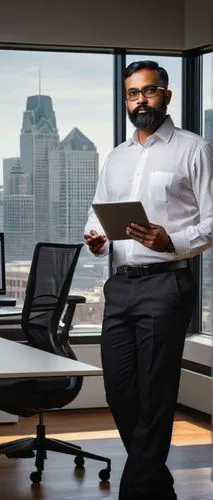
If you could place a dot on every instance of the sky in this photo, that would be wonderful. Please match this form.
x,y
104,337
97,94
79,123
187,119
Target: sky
x,y
81,88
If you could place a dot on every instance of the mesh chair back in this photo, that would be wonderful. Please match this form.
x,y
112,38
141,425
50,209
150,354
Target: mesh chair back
x,y
48,286
47,289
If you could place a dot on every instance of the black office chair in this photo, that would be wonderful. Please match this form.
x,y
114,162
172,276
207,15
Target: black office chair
x,y
46,321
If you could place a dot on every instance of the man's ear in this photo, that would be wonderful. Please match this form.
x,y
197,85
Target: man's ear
x,y
168,96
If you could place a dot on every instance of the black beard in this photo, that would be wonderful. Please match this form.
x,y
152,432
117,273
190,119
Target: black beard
x,y
151,118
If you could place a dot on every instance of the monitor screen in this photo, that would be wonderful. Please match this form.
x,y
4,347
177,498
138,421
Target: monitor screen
x,y
2,266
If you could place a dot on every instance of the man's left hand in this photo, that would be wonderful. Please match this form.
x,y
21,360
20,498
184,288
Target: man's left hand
x,y
154,237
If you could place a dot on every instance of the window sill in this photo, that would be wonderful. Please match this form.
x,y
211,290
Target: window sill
x,y
197,349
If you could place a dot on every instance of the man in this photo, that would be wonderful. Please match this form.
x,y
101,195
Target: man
x,y
149,299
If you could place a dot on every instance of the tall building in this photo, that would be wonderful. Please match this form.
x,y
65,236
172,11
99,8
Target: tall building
x,y
8,165
73,178
26,181
39,135
18,228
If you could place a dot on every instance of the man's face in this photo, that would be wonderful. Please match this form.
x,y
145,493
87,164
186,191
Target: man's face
x,y
146,112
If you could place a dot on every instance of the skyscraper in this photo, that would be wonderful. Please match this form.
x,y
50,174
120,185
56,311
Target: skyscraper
x,y
17,211
18,228
8,165
73,178
26,180
39,135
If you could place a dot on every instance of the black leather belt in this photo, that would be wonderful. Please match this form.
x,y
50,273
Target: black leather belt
x,y
145,270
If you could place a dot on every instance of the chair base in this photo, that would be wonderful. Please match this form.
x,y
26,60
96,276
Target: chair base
x,y
25,448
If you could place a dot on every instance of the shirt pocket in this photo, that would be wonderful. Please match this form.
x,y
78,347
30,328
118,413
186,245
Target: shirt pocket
x,y
158,187
158,196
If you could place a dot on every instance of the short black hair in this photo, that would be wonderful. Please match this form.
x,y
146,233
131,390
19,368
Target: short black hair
x,y
136,66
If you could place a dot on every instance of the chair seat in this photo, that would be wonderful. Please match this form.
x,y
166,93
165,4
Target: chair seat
x,y
26,397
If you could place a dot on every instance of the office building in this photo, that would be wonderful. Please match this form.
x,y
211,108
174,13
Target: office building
x,y
18,226
39,135
8,165
26,181
73,168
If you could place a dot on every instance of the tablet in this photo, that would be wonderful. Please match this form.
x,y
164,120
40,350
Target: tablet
x,y
116,216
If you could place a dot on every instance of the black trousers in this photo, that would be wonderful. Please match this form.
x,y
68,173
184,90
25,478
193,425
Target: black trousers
x,y
144,327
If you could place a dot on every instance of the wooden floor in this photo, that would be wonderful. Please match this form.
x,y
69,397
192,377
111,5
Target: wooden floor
x,y
190,458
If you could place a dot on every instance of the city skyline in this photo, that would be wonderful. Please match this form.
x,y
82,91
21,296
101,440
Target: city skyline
x,y
82,95
49,188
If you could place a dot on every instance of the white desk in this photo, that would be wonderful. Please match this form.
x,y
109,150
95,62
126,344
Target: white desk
x,y
6,311
11,315
19,360
17,309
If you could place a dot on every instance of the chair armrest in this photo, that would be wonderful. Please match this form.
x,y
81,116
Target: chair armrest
x,y
75,299
63,335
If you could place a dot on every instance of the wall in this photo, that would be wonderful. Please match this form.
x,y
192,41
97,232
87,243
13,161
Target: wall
x,y
169,24
92,23
198,23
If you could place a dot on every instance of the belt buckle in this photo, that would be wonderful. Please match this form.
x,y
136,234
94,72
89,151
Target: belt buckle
x,y
128,272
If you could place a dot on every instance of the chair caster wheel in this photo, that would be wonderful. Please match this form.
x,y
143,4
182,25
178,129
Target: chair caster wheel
x,y
79,461
36,477
104,474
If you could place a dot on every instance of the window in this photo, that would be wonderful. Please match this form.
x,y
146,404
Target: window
x,y
207,256
56,130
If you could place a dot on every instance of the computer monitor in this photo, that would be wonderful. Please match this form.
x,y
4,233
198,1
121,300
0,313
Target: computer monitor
x,y
2,266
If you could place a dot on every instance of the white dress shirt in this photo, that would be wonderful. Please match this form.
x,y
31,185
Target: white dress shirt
x,y
172,175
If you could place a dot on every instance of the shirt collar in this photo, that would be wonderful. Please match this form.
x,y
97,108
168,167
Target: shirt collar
x,y
164,132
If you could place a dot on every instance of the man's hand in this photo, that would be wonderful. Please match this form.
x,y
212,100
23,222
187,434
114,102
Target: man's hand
x,y
154,237
95,241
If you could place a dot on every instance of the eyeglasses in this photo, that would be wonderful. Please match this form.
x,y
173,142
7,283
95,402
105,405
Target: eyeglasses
x,y
148,91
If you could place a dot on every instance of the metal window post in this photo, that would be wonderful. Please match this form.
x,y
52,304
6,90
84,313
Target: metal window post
x,y
191,120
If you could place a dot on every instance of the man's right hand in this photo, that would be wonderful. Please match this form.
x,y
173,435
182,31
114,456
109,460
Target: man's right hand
x,y
95,241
